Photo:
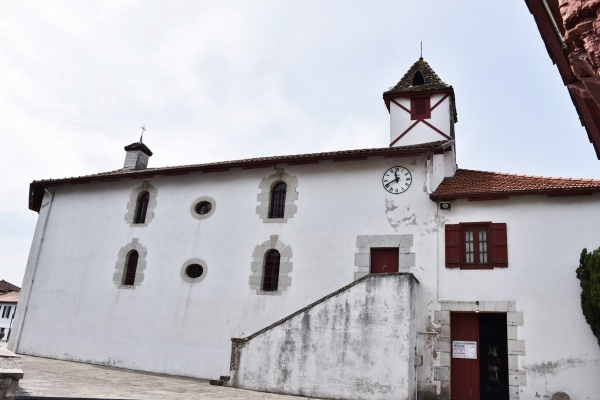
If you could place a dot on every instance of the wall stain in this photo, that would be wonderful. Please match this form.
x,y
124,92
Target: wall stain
x,y
390,206
553,367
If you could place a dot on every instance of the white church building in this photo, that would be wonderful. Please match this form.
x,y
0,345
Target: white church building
x,y
382,273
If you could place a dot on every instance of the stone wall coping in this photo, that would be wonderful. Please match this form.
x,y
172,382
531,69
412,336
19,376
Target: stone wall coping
x,y
239,341
4,352
14,373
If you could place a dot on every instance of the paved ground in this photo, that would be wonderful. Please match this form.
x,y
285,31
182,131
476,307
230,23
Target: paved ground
x,y
47,377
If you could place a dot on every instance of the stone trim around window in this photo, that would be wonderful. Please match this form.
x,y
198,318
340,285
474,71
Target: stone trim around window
x,y
208,199
132,204
443,347
264,197
364,243
258,262
119,274
189,262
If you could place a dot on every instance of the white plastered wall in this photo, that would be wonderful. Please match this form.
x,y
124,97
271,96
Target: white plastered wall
x,y
168,325
553,347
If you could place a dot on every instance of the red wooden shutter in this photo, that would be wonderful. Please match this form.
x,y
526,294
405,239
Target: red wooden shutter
x,y
452,246
420,108
499,246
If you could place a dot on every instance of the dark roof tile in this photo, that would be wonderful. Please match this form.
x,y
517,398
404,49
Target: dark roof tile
x,y
8,287
432,81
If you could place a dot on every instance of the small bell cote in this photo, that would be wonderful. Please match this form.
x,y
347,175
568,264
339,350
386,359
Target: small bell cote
x,y
137,156
421,106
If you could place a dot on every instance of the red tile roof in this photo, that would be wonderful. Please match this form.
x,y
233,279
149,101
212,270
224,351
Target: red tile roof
x,y
10,297
36,188
469,184
8,287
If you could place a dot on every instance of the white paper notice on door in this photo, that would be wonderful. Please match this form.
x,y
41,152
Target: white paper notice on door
x,y
463,349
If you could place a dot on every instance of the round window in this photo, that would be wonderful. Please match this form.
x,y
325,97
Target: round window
x,y
203,207
194,271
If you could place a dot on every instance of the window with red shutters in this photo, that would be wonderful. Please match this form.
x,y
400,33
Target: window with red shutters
x,y
420,108
476,245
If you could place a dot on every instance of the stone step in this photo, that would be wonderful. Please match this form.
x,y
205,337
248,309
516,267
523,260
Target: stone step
x,y
221,381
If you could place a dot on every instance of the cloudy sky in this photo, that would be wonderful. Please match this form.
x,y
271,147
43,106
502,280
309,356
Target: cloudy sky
x,y
222,80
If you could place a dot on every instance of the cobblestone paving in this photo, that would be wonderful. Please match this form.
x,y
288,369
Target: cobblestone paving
x,y
48,377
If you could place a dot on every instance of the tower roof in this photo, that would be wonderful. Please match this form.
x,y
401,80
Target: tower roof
x,y
420,78
138,146
430,78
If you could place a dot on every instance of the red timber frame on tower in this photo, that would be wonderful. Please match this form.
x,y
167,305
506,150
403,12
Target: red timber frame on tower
x,y
420,111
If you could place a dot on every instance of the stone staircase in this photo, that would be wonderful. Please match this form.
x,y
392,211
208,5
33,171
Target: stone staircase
x,y
357,342
221,381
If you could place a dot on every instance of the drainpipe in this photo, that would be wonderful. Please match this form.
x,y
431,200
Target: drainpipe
x,y
428,172
36,258
554,24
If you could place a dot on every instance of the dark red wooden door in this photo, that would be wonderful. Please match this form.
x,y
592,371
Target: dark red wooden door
x,y
384,260
464,372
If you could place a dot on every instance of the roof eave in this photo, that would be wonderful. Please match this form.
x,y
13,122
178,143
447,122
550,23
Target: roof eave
x,y
389,95
37,188
480,196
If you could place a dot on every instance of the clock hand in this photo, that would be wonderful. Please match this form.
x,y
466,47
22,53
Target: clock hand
x,y
397,178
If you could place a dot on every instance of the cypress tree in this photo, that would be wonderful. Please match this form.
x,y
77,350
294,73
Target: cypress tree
x,y
588,274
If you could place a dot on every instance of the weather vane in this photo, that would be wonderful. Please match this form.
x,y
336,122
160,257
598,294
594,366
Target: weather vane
x,y
421,49
143,130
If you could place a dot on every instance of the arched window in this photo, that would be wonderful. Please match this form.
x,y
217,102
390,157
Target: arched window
x,y
277,206
418,79
271,271
141,208
130,268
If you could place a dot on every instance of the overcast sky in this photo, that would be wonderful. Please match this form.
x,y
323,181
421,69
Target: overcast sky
x,y
223,80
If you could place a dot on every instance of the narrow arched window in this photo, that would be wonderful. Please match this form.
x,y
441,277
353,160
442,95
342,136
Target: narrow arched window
x,y
271,271
277,206
141,208
418,79
130,268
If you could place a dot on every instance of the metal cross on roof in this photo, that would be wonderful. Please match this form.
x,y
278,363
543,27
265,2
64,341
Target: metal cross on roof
x,y
143,130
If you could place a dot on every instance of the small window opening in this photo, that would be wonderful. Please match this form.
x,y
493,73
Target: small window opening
x,y
141,208
130,268
277,206
203,207
420,108
418,79
271,271
194,270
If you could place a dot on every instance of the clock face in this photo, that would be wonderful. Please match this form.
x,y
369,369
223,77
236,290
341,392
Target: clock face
x,y
396,180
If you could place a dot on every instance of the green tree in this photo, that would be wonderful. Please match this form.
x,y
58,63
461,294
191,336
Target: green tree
x,y
588,274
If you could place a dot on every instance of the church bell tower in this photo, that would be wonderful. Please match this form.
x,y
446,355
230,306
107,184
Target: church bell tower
x,y
421,106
